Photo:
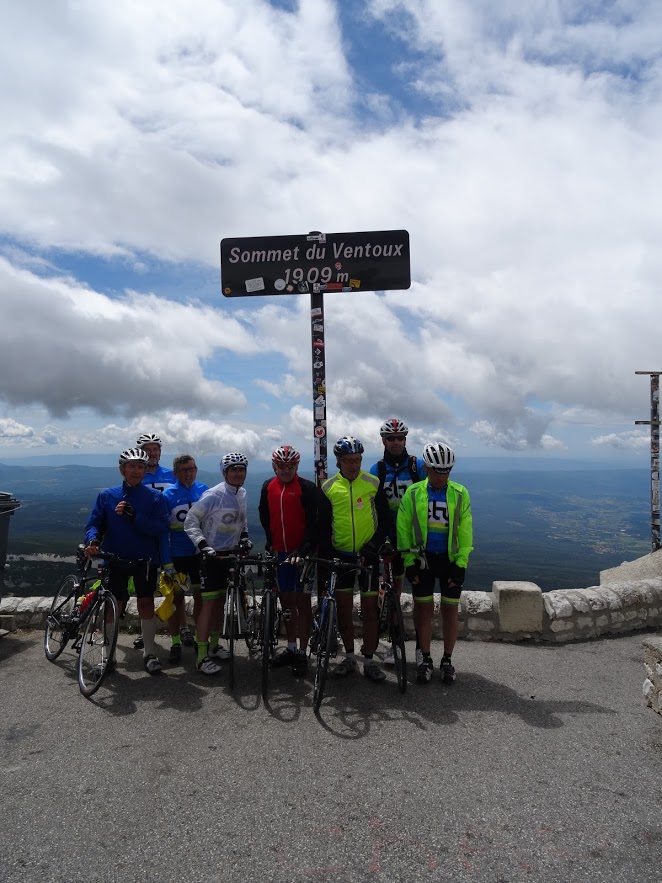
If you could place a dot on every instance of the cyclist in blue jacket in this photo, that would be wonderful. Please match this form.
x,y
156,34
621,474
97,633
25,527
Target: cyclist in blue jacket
x,y
156,476
178,554
129,521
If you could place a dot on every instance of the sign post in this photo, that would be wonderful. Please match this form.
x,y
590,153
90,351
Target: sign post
x,y
654,424
313,264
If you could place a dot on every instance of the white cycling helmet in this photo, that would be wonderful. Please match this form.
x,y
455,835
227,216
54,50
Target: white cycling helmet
x,y
132,454
439,456
392,426
233,459
148,438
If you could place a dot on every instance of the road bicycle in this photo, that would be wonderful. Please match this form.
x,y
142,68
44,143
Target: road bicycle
x,y
391,623
324,640
236,610
263,619
86,612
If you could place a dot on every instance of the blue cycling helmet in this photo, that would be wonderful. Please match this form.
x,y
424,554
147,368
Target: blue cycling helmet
x,y
347,445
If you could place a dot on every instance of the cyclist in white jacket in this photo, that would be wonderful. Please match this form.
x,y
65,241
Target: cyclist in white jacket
x,y
216,525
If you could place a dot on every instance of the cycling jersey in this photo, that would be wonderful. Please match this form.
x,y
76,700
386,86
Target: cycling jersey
x,y
396,475
356,512
160,479
414,516
288,513
218,518
130,539
179,499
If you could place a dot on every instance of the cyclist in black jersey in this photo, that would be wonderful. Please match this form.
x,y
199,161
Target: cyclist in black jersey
x,y
396,471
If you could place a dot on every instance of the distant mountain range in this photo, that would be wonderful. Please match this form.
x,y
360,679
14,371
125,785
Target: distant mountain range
x,y
557,527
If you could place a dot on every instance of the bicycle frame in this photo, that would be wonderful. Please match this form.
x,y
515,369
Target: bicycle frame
x,y
390,616
236,616
93,629
324,642
262,625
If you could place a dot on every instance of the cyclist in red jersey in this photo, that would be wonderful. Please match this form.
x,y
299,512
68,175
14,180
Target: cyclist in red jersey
x,y
288,513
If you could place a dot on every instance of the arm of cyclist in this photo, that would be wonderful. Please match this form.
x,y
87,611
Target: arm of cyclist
x,y
464,532
383,517
95,527
193,524
405,532
263,511
311,500
370,550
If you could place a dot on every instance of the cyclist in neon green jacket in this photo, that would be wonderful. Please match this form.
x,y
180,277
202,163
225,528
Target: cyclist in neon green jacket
x,y
354,520
435,516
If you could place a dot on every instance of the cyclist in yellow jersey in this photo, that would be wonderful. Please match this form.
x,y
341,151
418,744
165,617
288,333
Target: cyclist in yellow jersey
x,y
354,518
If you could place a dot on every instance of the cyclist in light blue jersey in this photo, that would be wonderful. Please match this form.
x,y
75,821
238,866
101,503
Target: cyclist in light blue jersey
x,y
396,471
156,477
178,554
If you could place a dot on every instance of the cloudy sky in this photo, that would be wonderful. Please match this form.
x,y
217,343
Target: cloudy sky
x,y
518,142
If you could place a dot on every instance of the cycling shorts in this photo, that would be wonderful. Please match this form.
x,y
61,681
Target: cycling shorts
x,y
145,579
438,569
347,579
214,573
289,576
190,565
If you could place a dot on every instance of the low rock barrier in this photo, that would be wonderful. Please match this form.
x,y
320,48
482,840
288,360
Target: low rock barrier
x,y
512,611
653,665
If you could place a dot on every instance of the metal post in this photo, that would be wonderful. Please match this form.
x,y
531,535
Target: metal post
x,y
319,385
654,424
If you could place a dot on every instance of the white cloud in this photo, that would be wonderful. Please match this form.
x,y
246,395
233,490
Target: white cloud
x,y
147,133
633,440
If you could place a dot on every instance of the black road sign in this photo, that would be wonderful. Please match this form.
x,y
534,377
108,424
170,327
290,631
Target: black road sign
x,y
315,263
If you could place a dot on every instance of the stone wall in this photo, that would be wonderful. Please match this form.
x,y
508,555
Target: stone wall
x,y
512,611
653,664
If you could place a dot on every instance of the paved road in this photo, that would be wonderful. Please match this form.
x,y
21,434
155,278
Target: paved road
x,y
539,763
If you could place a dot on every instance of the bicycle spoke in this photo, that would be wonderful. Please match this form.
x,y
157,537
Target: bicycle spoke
x,y
98,643
60,622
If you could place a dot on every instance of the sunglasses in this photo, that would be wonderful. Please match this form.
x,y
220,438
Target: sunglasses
x,y
439,470
395,437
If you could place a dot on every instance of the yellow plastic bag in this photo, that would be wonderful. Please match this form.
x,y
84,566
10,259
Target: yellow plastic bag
x,y
167,607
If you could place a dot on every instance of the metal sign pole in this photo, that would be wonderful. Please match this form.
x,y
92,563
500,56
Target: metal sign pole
x,y
654,424
319,386
376,260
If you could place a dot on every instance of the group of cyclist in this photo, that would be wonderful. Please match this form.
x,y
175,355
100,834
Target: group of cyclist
x,y
165,519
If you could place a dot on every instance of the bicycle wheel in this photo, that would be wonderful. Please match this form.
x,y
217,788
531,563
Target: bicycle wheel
x,y
59,623
396,629
253,631
98,643
327,627
267,638
232,618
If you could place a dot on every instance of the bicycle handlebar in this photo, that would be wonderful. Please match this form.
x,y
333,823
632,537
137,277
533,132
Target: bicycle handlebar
x,y
336,564
387,551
